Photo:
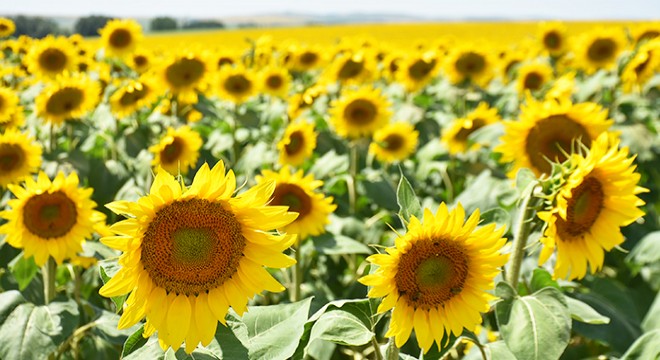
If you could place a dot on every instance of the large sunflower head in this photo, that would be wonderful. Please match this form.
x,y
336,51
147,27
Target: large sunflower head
x,y
456,136
8,104
547,131
645,32
7,27
598,197
236,84
69,97
643,65
300,193
275,81
437,275
416,71
50,57
469,64
599,49
120,37
360,112
297,144
552,36
185,74
132,96
394,142
190,253
532,76
50,219
177,151
20,156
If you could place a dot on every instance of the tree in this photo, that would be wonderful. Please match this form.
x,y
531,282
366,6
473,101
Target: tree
x,y
90,25
35,27
204,24
163,23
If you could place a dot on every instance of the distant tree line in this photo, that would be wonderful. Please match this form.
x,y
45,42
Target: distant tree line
x,y
38,27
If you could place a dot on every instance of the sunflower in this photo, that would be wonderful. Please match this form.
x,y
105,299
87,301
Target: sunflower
x,y
7,27
141,60
191,253
643,65
456,136
360,112
532,76
178,150
120,37
298,192
394,142
391,64
645,32
469,64
50,57
50,218
185,74
69,97
417,71
436,276
552,36
350,68
131,97
599,49
300,102
546,132
19,157
510,62
275,81
8,104
598,197
236,84
307,58
297,144
563,87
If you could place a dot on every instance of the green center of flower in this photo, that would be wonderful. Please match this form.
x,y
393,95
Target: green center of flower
x,y
65,101
53,60
120,38
583,208
296,142
360,112
192,246
11,157
50,215
432,272
601,50
551,139
294,197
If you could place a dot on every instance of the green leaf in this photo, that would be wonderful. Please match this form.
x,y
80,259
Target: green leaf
x,y
34,332
349,324
23,270
582,312
535,327
329,165
107,269
541,278
339,244
646,347
134,342
226,344
652,319
498,216
150,350
498,351
408,202
645,259
273,332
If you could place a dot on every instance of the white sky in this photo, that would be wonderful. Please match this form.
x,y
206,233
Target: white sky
x,y
443,9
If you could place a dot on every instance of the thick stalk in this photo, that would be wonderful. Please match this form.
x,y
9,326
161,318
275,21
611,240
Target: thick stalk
x,y
49,273
297,274
520,236
352,177
377,353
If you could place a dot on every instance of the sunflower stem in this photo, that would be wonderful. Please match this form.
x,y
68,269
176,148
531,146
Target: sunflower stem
x,y
377,354
392,352
51,142
49,274
520,235
297,274
352,178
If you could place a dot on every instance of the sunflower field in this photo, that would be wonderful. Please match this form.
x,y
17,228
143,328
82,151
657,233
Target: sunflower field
x,y
436,198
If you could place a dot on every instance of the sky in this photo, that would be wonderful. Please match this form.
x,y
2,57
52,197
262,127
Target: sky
x,y
430,9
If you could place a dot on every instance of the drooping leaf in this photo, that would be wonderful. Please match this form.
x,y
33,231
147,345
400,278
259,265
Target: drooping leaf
x,y
339,244
541,278
646,347
582,312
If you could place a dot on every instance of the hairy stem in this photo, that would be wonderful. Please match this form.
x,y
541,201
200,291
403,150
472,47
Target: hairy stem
x,y
49,273
297,275
523,226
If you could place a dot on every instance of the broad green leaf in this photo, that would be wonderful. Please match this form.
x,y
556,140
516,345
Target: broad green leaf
x,y
107,269
497,216
342,326
273,332
34,332
23,270
150,350
408,202
541,278
226,344
339,244
9,300
380,192
329,164
585,313
645,259
646,347
652,319
534,327
134,342
498,351
487,192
